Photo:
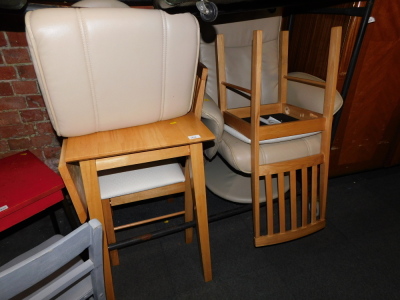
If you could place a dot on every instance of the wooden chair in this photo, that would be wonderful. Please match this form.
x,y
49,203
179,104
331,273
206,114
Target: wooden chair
x,y
55,270
294,218
131,105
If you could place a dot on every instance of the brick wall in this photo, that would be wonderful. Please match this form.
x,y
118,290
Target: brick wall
x,y
24,122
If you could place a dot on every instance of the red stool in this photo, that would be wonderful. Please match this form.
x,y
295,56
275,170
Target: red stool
x,y
27,187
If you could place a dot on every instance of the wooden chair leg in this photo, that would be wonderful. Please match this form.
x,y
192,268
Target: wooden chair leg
x,y
109,228
92,192
256,64
189,208
199,190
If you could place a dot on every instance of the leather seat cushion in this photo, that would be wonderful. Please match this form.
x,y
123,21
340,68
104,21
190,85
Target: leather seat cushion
x,y
133,179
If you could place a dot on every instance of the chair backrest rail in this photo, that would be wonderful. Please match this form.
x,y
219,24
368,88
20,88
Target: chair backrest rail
x,y
65,281
50,257
27,272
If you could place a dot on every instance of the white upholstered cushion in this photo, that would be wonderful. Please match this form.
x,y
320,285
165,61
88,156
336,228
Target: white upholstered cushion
x,y
108,68
138,178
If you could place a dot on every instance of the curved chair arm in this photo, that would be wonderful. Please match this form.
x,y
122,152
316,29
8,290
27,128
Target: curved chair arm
x,y
212,117
308,96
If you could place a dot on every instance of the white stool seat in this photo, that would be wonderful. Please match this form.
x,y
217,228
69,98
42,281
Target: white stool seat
x,y
139,178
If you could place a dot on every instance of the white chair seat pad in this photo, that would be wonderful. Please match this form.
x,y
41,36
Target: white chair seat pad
x,y
128,180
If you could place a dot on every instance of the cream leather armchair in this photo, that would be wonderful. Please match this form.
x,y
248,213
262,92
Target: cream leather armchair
x,y
228,169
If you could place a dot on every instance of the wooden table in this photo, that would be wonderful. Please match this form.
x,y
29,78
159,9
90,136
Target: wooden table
x,y
27,187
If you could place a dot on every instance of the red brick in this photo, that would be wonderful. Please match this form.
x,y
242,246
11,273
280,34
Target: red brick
x,y
7,73
6,89
42,141
19,144
45,127
26,72
15,131
25,87
9,118
17,39
4,146
34,115
16,56
7,103
35,101
52,152
3,40
1,58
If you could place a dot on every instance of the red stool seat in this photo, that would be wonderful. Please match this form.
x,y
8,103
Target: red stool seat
x,y
27,187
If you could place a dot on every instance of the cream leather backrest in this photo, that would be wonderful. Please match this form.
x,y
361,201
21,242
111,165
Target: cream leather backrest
x,y
108,68
238,44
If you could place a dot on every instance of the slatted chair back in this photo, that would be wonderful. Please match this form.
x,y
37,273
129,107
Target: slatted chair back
x,y
55,270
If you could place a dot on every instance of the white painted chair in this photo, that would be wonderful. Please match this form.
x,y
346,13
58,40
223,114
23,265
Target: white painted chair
x,y
55,270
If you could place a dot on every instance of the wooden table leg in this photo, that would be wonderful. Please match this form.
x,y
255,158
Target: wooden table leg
x,y
95,208
199,188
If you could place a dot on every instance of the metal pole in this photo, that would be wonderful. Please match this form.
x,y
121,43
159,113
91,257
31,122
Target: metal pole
x,y
173,229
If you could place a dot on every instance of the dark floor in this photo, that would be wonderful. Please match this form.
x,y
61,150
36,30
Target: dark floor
x,y
357,256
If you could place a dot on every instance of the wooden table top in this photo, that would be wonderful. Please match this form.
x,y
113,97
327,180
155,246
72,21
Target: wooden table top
x,y
180,131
